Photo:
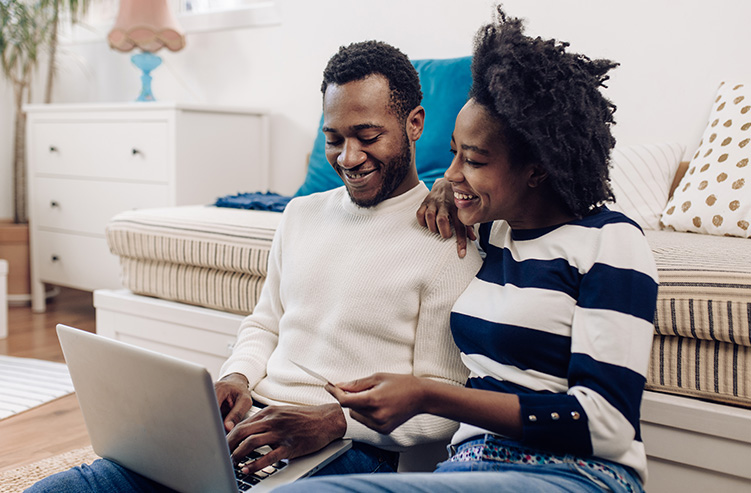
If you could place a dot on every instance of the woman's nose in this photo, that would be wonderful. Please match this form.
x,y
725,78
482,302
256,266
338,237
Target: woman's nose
x,y
351,156
453,173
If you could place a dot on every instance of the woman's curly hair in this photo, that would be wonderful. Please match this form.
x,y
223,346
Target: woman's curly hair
x,y
550,105
359,60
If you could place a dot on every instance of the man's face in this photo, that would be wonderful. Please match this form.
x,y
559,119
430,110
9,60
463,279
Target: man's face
x,y
366,144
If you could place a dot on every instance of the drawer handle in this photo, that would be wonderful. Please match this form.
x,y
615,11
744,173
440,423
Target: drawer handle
x,y
55,258
135,151
53,149
54,203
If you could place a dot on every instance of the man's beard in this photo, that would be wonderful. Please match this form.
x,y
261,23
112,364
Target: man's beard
x,y
393,174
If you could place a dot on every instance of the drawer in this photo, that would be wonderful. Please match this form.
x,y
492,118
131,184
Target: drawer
x,y
140,328
110,149
86,205
81,262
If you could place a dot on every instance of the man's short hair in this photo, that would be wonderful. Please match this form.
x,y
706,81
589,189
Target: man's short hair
x,y
360,60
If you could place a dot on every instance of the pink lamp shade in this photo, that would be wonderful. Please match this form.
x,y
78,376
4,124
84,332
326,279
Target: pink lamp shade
x,y
145,24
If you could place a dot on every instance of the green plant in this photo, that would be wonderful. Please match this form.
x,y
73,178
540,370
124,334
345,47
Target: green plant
x,y
28,28
23,32
76,9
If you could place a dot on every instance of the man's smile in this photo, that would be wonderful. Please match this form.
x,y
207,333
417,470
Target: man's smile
x,y
359,178
357,175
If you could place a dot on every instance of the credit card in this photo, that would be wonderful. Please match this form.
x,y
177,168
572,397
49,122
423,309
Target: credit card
x,y
313,374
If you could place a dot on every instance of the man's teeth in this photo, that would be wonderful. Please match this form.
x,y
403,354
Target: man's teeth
x,y
463,196
355,176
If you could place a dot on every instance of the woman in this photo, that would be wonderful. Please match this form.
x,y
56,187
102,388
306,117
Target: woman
x,y
556,329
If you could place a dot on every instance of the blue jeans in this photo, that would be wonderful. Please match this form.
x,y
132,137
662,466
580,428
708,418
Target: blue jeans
x,y
105,476
479,476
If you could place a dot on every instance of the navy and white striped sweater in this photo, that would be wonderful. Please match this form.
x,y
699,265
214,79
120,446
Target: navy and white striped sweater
x,y
562,317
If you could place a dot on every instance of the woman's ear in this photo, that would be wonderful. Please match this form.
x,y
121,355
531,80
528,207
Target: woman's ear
x,y
537,175
415,123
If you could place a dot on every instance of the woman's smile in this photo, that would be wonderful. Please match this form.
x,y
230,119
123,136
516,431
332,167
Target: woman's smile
x,y
464,200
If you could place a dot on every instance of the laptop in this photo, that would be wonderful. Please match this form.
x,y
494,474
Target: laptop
x,y
158,416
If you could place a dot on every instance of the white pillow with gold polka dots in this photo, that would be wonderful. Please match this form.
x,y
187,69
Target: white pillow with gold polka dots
x,y
714,195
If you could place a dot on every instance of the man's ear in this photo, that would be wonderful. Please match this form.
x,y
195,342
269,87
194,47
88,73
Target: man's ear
x,y
537,175
415,123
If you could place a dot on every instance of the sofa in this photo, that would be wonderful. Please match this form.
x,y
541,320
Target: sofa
x,y
191,273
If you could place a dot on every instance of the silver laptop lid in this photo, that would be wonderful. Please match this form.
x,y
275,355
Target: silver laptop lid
x,y
150,413
158,416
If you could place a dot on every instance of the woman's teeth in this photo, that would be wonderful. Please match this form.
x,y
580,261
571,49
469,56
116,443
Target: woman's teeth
x,y
463,196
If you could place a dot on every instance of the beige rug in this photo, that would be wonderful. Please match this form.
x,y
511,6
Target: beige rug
x,y
16,480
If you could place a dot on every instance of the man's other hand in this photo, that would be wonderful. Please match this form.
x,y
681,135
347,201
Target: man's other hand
x,y
438,213
234,399
290,431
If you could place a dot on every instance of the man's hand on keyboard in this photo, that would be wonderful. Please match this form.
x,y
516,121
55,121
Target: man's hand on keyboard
x,y
290,431
234,399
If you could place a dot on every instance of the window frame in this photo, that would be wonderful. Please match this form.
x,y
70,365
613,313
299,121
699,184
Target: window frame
x,y
94,28
250,14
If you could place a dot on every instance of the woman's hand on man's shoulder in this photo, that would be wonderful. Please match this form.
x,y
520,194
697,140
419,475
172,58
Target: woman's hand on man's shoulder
x,y
438,213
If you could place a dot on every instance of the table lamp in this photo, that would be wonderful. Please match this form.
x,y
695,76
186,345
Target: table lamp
x,y
150,26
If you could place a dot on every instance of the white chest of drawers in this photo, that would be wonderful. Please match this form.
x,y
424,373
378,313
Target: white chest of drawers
x,y
88,162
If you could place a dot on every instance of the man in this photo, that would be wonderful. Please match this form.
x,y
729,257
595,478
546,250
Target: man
x,y
355,286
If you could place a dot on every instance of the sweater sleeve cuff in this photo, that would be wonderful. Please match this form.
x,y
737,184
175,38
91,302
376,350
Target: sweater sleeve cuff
x,y
243,369
555,422
361,433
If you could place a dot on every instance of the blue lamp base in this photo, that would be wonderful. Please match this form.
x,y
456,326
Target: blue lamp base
x,y
146,62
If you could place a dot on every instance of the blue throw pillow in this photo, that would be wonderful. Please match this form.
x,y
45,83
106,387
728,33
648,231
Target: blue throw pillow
x,y
445,87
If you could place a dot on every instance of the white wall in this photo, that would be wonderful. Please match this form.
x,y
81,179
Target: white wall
x,y
673,53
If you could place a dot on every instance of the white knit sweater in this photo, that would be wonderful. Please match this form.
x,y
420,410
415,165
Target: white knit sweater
x,y
351,292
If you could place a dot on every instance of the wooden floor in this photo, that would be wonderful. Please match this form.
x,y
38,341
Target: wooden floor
x,y
55,427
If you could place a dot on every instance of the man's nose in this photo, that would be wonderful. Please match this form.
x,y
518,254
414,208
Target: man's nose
x,y
351,155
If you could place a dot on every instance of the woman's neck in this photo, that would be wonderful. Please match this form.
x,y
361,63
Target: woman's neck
x,y
542,209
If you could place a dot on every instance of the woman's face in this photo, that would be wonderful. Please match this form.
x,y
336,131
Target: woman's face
x,y
486,186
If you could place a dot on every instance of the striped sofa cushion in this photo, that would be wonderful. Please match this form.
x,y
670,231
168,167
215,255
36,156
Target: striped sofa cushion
x,y
203,255
228,291
703,316
641,176
711,370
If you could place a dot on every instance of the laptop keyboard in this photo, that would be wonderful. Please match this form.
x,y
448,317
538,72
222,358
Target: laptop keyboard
x,y
247,481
